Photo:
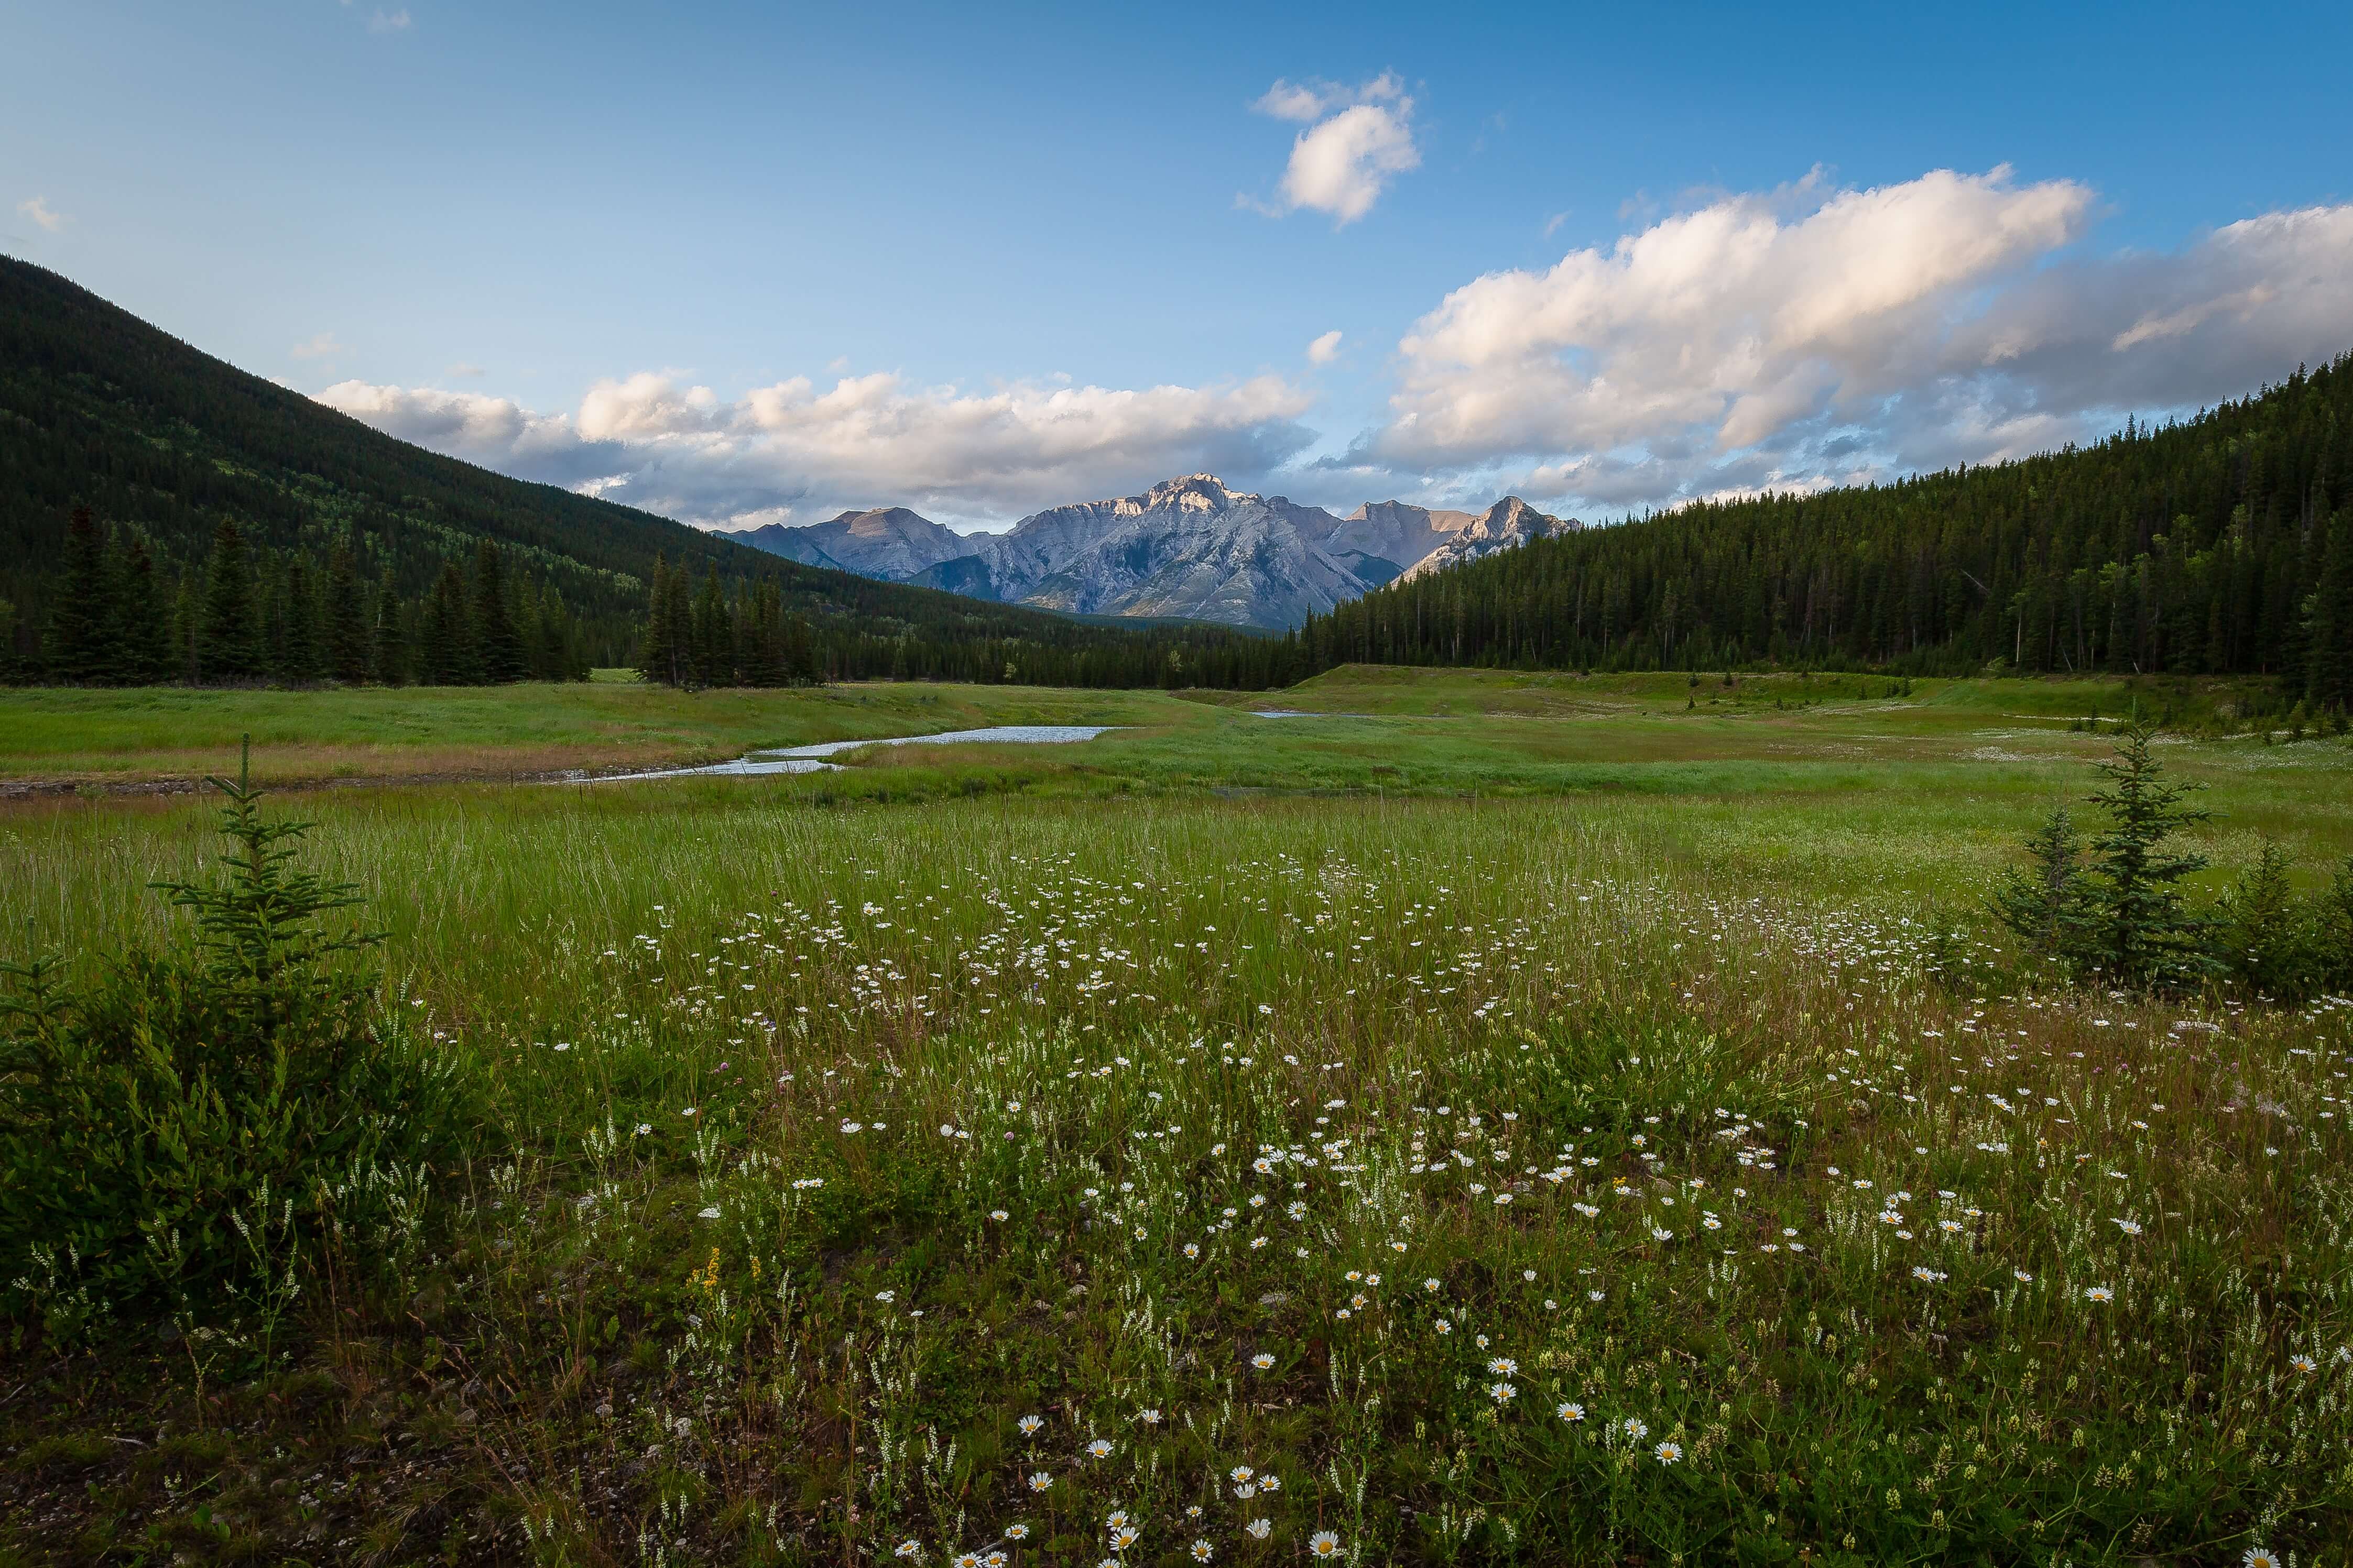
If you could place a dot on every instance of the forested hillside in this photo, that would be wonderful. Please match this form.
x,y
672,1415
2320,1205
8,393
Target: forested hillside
x,y
163,445
2219,545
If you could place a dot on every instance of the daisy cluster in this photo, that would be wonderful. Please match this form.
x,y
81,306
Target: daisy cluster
x,y
1386,1201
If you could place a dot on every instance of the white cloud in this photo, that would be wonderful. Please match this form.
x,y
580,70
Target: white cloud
x,y
37,208
323,346
1813,335
465,370
797,451
1361,138
1289,101
390,22
1325,348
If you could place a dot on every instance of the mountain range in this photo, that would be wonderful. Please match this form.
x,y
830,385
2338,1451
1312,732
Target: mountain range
x,y
1187,549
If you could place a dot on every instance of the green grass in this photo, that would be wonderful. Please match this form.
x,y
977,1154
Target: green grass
x,y
1705,950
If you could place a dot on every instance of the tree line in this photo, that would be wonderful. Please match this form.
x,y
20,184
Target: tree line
x,y
245,615
2218,545
715,633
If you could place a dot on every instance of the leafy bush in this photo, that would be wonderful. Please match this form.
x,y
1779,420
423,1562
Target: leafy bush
x,y
185,1134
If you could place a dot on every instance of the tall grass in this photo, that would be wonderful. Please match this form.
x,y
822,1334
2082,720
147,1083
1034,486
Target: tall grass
x,y
1545,1181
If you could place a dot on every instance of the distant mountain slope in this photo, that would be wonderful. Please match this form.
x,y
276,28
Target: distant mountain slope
x,y
99,408
2220,545
1188,548
888,542
1385,539
1508,524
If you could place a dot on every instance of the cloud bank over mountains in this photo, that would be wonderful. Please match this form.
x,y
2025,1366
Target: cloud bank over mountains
x,y
1795,338
795,451
1812,335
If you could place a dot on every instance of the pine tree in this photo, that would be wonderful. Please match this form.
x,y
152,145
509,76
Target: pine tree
x,y
2265,938
567,650
2329,624
187,633
84,620
764,651
497,643
657,653
2139,927
2044,905
715,638
302,652
229,649
349,654
143,633
679,606
388,655
446,654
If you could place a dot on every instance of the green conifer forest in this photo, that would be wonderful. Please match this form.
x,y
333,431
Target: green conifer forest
x,y
2219,545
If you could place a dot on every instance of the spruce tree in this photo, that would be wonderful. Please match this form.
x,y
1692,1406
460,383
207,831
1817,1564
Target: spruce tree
x,y
389,655
658,648
446,653
302,651
2139,927
349,654
2044,905
229,647
715,638
765,653
678,606
2329,624
144,634
188,633
497,643
84,620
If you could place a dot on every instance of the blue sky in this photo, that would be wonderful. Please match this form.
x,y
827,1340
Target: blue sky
x,y
747,263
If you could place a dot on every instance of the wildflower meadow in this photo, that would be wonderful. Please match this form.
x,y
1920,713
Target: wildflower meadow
x,y
1000,1182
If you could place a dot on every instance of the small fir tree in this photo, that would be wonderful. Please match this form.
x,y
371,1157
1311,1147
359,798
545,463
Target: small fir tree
x,y
2044,903
2139,926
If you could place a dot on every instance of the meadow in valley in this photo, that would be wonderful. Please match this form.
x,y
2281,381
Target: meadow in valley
x,y
1487,1118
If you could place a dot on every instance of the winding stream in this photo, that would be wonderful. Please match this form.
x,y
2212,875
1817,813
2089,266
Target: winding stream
x,y
809,759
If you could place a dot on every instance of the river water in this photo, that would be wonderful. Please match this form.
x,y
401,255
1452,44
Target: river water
x,y
810,759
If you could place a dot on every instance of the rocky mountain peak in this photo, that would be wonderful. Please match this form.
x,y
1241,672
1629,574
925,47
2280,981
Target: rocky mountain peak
x,y
1193,547
1194,492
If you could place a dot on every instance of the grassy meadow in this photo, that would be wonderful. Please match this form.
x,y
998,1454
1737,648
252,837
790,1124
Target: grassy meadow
x,y
1496,1119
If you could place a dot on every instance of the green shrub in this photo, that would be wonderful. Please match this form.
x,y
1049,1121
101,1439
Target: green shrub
x,y
188,1132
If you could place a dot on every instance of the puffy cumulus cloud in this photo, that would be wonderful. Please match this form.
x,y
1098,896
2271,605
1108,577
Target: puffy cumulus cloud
x,y
1357,140
1813,335
798,451
1325,348
494,432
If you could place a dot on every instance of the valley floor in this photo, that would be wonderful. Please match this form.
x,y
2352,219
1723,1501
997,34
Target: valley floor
x,y
1532,1120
